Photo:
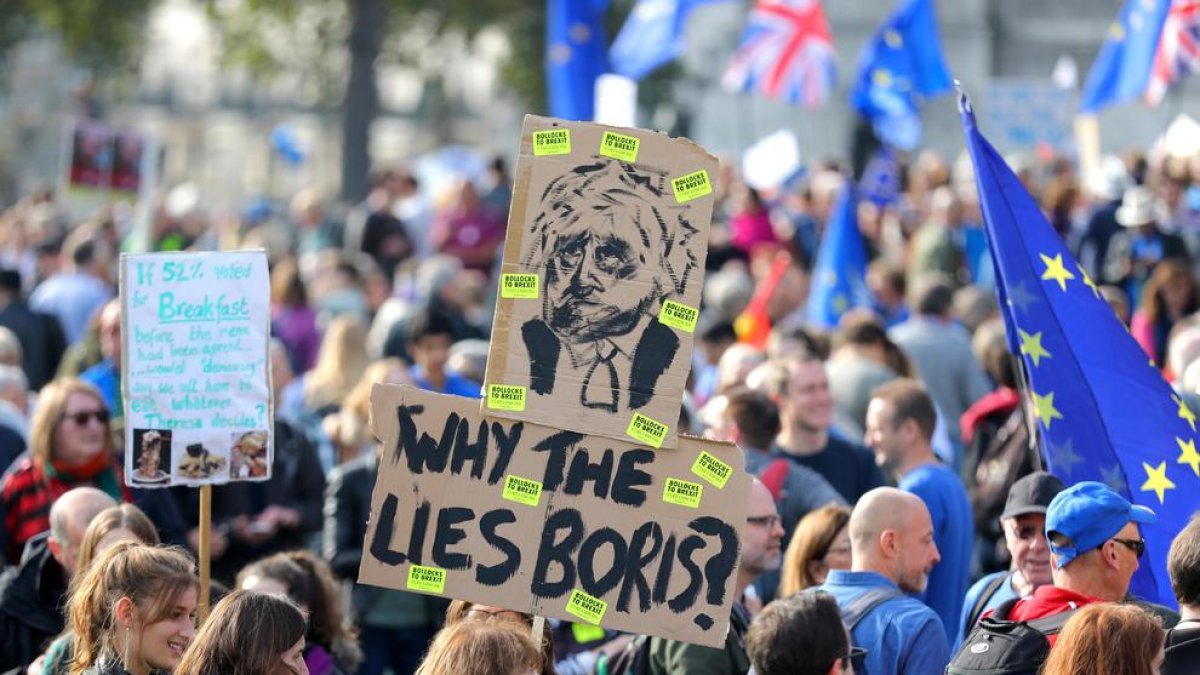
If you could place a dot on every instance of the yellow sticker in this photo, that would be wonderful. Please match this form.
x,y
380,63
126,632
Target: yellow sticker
x,y
683,493
426,579
519,286
646,430
522,490
692,186
679,315
585,633
586,607
712,470
506,397
552,142
620,146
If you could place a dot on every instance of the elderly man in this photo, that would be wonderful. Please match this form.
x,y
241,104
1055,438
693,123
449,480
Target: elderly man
x,y
1095,545
891,538
613,247
32,595
1023,523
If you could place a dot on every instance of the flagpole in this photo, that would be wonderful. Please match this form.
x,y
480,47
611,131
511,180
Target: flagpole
x,y
1035,446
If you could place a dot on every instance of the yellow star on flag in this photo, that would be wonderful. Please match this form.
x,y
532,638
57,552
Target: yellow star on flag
x,y
1157,481
1185,413
1087,281
1031,345
1055,270
1046,411
1188,455
882,77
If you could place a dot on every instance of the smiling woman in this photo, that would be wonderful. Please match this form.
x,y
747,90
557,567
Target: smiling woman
x,y
134,611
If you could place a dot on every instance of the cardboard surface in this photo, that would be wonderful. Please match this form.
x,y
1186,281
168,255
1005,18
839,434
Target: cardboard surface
x,y
195,376
601,279
551,522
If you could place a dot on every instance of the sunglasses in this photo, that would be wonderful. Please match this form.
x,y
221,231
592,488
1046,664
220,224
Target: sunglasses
x,y
1138,546
857,657
82,418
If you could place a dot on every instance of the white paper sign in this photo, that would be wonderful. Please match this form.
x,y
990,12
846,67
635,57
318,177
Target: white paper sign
x,y
195,376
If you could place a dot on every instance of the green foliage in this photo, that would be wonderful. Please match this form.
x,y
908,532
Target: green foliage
x,y
104,36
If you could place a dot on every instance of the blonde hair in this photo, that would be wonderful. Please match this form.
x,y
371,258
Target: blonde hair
x,y
481,648
341,362
51,407
122,516
153,578
811,541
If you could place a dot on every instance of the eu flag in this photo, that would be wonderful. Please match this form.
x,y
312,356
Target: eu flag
x,y
1104,412
651,37
575,56
839,279
900,67
1121,71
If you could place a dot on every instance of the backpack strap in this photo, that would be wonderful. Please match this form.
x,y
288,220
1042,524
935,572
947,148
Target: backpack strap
x,y
861,606
775,474
1047,625
981,602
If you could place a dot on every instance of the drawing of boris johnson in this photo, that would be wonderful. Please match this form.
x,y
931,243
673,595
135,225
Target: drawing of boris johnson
x,y
613,245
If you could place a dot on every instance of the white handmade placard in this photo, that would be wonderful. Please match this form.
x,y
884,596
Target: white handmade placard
x,y
195,374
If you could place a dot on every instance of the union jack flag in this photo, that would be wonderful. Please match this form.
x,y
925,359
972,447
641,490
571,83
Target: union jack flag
x,y
1178,50
786,53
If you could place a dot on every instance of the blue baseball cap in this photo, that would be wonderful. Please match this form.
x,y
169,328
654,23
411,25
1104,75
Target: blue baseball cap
x,y
1089,514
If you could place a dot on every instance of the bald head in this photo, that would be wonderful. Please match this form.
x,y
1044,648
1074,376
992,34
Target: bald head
x,y
891,533
69,519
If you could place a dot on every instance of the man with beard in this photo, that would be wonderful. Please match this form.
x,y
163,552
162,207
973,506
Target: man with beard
x,y
900,423
762,540
891,539
613,249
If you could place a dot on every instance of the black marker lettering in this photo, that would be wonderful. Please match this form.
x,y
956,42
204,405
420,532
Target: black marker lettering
x,y
587,561
495,575
629,477
447,535
552,551
583,471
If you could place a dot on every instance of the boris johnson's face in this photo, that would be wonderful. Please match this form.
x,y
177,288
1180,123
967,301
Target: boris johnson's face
x,y
600,280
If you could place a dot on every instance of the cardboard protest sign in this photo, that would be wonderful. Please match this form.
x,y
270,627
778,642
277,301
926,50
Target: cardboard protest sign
x,y
601,280
553,523
195,339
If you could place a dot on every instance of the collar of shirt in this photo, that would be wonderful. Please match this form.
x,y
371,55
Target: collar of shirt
x,y
865,579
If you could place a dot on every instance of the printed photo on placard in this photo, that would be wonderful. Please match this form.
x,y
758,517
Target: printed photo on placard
x,y
248,456
151,457
197,461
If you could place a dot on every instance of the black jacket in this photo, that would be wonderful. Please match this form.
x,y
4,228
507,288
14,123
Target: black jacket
x,y
32,596
42,341
347,509
1183,649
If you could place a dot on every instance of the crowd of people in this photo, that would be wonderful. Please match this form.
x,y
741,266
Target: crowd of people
x,y
898,516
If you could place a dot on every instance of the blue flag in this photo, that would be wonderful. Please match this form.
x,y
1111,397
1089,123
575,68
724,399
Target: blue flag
x,y
1104,412
575,56
839,279
1122,68
900,67
651,37
880,182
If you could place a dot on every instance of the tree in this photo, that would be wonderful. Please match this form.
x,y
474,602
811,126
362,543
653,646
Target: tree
x,y
104,37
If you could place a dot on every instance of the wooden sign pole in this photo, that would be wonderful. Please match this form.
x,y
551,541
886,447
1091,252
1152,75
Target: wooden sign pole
x,y
205,529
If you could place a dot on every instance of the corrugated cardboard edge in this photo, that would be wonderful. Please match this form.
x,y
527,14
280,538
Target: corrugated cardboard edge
x,y
498,351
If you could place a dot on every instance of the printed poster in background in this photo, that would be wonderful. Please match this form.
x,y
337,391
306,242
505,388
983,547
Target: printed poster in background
x,y
195,378
553,523
1023,114
91,156
601,280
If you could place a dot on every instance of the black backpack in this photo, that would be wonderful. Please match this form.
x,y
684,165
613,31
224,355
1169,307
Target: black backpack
x,y
997,646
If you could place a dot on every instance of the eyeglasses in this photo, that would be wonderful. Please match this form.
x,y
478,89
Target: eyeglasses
x,y
82,418
1138,546
1025,533
856,656
486,614
764,521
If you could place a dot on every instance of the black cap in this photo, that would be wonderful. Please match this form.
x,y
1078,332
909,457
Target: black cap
x,y
10,280
1032,494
